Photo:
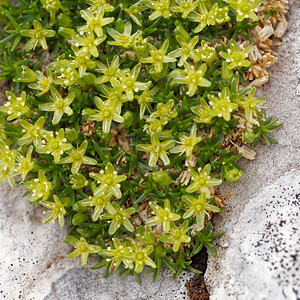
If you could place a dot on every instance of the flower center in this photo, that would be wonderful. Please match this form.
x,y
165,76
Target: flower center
x,y
110,72
38,35
99,201
107,114
55,145
60,104
129,82
108,181
140,257
77,156
118,218
44,83
177,235
199,207
82,248
158,56
202,180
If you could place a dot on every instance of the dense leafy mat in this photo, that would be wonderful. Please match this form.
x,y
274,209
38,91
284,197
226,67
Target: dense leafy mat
x,y
124,117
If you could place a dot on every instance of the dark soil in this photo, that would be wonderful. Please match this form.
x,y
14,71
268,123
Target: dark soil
x,y
196,286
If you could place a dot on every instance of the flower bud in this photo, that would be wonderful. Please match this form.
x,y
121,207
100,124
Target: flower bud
x,y
78,181
67,33
106,137
162,178
24,74
165,135
64,20
120,25
71,134
128,118
248,137
226,73
159,75
89,78
140,46
233,175
79,218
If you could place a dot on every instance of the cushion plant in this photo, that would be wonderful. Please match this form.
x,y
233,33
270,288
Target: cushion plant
x,y
123,118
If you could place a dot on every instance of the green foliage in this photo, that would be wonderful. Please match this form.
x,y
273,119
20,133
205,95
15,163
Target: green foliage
x,y
111,109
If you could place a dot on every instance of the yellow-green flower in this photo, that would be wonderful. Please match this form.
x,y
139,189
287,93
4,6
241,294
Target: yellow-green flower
x,y
37,36
165,112
56,146
15,107
118,217
177,235
40,187
157,150
163,216
140,257
7,157
215,15
222,105
111,72
6,174
119,253
89,43
135,12
94,5
113,94
24,164
144,100
59,105
76,157
43,82
83,62
158,57
57,211
100,201
192,77
198,207
160,8
233,175
187,143
250,105
245,8
32,133
187,46
106,113
140,45
185,7
125,39
236,56
94,21
110,181
129,83
81,248
202,180
204,112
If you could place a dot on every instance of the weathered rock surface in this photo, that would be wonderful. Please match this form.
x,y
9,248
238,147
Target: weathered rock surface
x,y
260,257
257,259
35,263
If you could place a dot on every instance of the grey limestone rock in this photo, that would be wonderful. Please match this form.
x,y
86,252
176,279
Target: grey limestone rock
x,y
258,258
